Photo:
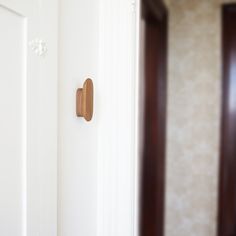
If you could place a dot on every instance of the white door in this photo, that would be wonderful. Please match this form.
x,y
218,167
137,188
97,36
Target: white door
x,y
28,118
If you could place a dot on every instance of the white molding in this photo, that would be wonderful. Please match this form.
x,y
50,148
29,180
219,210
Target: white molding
x,y
117,96
138,116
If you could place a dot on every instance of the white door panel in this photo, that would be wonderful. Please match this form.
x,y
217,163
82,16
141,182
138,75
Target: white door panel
x,y
28,118
12,122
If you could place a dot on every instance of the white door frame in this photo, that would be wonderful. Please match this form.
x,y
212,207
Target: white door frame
x,y
98,161
118,162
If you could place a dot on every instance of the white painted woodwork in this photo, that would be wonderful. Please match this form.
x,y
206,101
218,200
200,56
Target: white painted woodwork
x,y
97,161
98,164
118,126
78,60
12,123
28,119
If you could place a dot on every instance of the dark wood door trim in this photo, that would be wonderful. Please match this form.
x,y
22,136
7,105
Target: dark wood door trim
x,y
154,9
227,186
153,161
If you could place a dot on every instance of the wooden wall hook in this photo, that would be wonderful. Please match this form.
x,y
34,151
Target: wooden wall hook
x,y
84,100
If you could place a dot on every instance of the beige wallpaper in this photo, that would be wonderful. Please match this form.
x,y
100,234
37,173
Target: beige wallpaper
x,y
193,117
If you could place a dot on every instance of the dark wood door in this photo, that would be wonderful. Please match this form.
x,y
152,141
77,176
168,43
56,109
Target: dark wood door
x,y
153,159
227,189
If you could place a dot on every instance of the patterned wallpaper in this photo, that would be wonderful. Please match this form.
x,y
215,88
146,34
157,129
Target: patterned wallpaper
x,y
194,98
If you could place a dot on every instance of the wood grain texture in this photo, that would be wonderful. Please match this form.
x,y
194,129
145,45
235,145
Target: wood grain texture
x,y
153,161
227,188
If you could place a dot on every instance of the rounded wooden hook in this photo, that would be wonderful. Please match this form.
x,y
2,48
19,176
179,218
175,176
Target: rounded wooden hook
x,y
84,100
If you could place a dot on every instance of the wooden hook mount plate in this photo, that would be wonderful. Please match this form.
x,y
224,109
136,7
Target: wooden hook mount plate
x,y
84,100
